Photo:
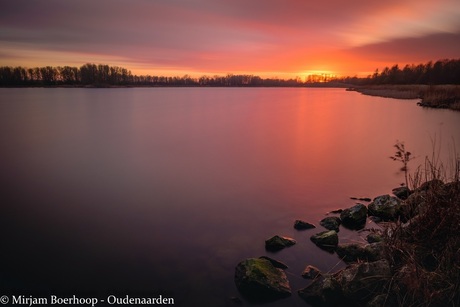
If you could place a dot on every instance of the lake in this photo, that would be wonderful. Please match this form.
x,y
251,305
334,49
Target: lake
x,y
149,191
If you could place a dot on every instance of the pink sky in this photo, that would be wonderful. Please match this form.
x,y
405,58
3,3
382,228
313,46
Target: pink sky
x,y
283,38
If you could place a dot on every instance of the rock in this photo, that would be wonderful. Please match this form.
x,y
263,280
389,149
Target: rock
x,y
374,237
414,222
326,240
429,185
375,251
419,201
354,217
323,291
276,263
259,281
356,285
311,272
361,281
331,223
337,211
361,198
301,225
353,252
415,204
277,243
386,207
401,192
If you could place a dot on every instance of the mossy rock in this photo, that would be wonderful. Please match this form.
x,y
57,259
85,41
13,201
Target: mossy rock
x,y
326,240
276,263
259,280
374,237
386,207
354,217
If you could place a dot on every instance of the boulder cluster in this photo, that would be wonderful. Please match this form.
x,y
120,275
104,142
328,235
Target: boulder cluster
x,y
369,267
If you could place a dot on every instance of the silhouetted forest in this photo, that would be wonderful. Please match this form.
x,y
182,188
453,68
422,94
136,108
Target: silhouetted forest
x,y
92,75
105,75
440,72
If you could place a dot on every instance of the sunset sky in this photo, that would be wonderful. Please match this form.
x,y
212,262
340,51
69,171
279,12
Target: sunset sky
x,y
283,38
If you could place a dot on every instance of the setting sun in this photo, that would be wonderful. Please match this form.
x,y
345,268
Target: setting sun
x,y
318,76
272,39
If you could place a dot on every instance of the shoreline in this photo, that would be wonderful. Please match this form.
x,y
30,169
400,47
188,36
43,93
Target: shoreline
x,y
410,259
307,85
445,96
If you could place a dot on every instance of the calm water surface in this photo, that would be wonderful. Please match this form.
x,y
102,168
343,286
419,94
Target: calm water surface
x,y
163,191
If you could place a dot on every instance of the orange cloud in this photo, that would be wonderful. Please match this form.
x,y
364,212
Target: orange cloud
x,y
277,38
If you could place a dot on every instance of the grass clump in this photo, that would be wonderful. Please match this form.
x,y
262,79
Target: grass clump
x,y
393,91
442,96
425,251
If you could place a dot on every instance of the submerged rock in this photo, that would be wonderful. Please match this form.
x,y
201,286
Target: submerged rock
x,y
259,280
331,223
385,207
301,225
277,243
354,217
311,272
327,240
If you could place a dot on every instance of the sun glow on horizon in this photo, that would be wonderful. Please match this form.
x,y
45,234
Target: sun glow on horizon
x,y
319,75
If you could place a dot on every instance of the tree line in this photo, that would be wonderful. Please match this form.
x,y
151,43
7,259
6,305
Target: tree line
x,y
445,71
440,72
105,75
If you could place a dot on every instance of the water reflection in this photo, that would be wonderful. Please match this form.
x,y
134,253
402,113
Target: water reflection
x,y
130,190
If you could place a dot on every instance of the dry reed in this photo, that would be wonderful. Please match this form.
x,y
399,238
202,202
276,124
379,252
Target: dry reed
x,y
433,96
425,251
